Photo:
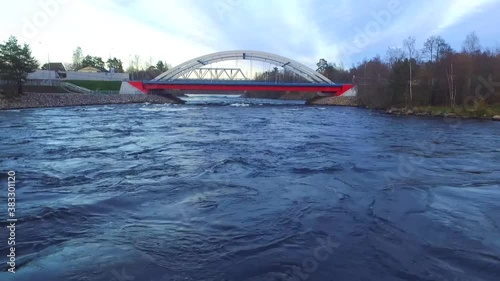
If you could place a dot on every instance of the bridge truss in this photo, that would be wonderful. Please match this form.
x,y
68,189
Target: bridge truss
x,y
213,74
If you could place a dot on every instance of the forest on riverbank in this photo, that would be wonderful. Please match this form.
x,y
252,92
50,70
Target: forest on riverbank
x,y
434,79
433,76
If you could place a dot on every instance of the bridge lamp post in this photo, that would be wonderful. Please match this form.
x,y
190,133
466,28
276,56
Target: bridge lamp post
x,y
48,63
131,66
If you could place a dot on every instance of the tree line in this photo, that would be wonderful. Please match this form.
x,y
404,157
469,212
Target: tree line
x,y
80,61
433,75
114,64
17,62
146,71
277,75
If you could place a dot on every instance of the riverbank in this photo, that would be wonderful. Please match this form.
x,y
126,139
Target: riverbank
x,y
310,98
39,100
486,112
334,101
482,112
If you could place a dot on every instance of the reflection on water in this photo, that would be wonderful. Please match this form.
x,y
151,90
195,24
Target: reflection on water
x,y
226,188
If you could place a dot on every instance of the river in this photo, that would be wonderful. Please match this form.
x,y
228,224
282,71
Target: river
x,y
233,189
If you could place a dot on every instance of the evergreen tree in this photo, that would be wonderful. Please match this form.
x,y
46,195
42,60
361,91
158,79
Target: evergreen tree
x,y
16,62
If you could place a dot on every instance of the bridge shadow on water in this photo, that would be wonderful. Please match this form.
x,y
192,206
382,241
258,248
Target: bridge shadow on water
x,y
234,100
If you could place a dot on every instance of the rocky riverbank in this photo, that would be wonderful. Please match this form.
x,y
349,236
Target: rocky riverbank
x,y
37,100
442,112
310,98
489,113
338,101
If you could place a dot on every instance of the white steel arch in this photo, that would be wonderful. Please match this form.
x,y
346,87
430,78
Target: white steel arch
x,y
294,66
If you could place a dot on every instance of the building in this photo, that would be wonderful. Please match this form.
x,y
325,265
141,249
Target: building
x,y
54,66
89,69
57,72
57,67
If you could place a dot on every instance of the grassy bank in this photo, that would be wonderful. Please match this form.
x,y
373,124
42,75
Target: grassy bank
x,y
476,112
97,85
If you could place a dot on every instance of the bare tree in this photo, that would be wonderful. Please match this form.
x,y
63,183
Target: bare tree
x,y
395,55
411,51
434,48
471,44
452,91
133,66
472,48
430,47
149,63
130,67
136,61
69,66
77,58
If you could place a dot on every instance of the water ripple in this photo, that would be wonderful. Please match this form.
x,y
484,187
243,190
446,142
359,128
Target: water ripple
x,y
236,189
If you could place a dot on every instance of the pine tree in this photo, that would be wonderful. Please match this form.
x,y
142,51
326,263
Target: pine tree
x,y
16,62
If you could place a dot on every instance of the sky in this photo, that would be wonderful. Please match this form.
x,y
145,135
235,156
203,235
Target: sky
x,y
341,31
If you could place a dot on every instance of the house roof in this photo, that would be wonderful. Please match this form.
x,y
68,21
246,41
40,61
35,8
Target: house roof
x,y
88,69
91,69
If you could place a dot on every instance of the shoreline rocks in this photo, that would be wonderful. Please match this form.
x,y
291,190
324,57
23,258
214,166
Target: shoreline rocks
x,y
414,112
338,101
42,100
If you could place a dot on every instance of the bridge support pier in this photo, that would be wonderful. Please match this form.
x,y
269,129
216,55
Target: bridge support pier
x,y
166,94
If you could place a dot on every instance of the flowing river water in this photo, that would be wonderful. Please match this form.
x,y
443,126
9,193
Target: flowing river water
x,y
225,188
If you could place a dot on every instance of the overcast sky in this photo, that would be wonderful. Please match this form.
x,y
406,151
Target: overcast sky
x,y
341,31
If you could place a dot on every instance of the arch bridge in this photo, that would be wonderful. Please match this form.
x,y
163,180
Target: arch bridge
x,y
174,79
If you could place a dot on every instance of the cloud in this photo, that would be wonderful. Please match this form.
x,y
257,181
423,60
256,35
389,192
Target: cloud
x,y
457,10
176,31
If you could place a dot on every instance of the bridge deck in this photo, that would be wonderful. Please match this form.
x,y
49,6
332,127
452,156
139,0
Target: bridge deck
x,y
335,89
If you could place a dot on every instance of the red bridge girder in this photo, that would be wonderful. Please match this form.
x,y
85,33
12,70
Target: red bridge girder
x,y
334,89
